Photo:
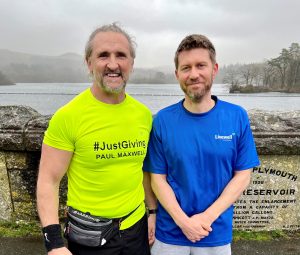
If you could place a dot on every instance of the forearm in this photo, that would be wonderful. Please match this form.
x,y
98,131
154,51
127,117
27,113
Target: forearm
x,y
192,229
151,203
53,165
150,199
47,202
230,194
167,198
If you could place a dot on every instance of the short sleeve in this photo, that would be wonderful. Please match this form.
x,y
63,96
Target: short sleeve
x,y
59,132
246,155
155,161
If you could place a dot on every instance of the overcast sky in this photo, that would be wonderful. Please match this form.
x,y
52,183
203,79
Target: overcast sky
x,y
243,31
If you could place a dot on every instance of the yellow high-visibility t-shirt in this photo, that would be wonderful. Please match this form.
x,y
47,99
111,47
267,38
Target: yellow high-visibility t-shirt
x,y
109,144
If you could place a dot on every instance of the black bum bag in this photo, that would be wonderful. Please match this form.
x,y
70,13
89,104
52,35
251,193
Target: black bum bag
x,y
86,229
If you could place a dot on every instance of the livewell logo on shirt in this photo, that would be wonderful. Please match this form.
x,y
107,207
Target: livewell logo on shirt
x,y
226,138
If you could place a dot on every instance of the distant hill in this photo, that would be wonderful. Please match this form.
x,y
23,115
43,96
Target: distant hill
x,y
22,67
4,80
69,67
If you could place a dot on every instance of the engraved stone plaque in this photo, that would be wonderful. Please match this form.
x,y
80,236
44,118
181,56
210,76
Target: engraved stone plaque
x,y
272,200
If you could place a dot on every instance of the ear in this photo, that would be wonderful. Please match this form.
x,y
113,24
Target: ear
x,y
176,74
215,70
89,65
132,65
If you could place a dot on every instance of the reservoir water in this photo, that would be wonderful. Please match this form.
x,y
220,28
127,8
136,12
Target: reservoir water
x,y
46,98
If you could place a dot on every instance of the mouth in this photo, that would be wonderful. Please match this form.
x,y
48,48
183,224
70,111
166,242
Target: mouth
x,y
113,75
198,82
194,84
113,79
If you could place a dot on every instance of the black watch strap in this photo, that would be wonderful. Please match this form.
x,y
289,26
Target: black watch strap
x,y
152,211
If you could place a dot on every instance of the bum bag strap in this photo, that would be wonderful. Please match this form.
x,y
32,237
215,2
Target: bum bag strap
x,y
70,212
126,216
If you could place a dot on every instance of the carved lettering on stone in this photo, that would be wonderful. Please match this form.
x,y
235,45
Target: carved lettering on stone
x,y
272,201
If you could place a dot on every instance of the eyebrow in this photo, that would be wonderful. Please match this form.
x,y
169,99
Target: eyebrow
x,y
107,53
102,53
121,53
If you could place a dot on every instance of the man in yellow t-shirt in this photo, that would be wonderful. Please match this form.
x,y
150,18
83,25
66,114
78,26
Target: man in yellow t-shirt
x,y
100,140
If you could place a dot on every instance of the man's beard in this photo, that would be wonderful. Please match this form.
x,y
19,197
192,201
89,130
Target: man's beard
x,y
196,96
99,81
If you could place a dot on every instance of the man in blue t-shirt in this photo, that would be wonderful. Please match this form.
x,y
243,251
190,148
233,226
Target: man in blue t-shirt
x,y
200,156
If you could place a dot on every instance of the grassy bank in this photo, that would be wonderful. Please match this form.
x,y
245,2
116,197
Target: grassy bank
x,y
19,229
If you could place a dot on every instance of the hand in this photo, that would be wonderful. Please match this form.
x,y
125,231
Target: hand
x,y
194,232
204,220
151,228
196,228
60,251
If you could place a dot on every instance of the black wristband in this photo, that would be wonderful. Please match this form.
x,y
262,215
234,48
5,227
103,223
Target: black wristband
x,y
52,237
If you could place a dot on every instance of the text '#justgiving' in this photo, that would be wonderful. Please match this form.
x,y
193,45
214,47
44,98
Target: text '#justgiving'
x,y
119,145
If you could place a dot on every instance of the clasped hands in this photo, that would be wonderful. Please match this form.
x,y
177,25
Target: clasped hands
x,y
197,227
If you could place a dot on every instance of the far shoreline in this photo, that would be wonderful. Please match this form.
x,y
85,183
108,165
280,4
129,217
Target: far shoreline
x,y
12,84
250,89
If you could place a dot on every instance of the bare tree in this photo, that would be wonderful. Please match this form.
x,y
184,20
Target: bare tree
x,y
232,75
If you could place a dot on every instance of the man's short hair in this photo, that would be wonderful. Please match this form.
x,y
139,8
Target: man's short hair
x,y
195,41
109,28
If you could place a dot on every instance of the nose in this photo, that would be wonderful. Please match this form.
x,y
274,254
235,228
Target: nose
x,y
193,73
112,63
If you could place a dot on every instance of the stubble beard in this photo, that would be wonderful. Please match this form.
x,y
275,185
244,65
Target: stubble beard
x,y
196,96
99,81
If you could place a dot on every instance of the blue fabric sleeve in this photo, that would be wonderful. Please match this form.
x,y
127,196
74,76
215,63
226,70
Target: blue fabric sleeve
x,y
155,161
247,155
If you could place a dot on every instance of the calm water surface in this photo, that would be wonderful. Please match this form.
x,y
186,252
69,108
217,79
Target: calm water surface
x,y
46,98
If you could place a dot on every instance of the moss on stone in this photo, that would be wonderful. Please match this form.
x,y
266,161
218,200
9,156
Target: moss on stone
x,y
239,235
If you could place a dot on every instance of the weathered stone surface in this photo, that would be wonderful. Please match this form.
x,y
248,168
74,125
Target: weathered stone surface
x,y
275,122
25,211
23,185
16,160
276,133
34,132
63,190
24,200
23,176
272,201
274,145
5,198
13,120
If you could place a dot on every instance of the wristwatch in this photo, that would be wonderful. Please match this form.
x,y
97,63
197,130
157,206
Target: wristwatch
x,y
152,211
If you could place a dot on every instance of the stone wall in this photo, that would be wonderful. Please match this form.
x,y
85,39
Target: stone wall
x,y
21,135
272,201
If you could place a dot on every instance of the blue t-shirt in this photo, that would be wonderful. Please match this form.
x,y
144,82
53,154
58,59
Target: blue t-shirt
x,y
199,154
